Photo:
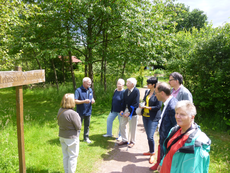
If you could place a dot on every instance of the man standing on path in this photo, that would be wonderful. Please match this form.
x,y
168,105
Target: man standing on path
x,y
84,100
167,121
128,111
179,91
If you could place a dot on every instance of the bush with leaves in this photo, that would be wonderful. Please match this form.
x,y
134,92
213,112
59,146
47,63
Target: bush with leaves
x,y
203,58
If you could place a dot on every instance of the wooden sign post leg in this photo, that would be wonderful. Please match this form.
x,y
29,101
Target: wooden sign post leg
x,y
20,127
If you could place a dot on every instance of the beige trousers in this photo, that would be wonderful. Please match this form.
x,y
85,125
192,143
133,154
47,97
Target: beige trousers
x,y
132,128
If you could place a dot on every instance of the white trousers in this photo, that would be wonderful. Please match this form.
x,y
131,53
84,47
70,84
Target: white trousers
x,y
70,151
132,128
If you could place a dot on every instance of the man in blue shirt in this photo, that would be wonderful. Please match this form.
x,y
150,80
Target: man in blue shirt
x,y
84,100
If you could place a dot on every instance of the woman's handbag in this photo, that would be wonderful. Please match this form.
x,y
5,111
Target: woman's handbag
x,y
139,110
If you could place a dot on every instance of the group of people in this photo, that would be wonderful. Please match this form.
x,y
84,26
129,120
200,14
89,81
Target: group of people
x,y
183,147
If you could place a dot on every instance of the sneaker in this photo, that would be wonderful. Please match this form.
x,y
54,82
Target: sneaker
x,y
119,138
88,140
107,135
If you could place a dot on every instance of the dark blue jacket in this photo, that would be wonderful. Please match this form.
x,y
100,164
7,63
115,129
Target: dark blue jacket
x,y
168,121
131,100
117,101
81,94
155,112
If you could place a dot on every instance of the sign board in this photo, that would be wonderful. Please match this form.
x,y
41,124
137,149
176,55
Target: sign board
x,y
18,78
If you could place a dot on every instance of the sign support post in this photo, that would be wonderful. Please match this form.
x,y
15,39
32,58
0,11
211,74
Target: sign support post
x,y
20,126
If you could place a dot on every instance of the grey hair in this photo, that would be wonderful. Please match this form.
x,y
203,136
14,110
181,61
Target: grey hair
x,y
122,81
132,80
85,79
188,105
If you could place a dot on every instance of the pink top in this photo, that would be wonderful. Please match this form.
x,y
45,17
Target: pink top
x,y
175,92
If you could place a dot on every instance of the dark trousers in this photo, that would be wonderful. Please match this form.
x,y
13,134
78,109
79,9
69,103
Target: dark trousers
x,y
86,125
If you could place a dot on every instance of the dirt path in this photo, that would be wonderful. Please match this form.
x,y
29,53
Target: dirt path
x,y
121,160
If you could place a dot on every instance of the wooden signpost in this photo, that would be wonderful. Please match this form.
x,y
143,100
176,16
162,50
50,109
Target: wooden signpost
x,y
18,79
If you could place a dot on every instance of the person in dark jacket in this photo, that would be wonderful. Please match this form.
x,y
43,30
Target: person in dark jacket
x,y
128,112
84,100
167,121
116,107
151,115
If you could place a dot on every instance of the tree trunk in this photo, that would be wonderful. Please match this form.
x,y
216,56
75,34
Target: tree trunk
x,y
40,67
102,66
105,49
55,74
89,47
63,67
72,72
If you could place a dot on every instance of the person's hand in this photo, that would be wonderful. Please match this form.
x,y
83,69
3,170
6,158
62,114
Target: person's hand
x,y
87,101
127,114
159,168
93,101
121,113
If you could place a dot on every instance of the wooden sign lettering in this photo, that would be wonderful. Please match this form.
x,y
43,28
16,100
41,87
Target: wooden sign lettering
x,y
17,78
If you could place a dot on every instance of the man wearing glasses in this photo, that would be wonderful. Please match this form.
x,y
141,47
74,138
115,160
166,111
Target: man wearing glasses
x,y
179,91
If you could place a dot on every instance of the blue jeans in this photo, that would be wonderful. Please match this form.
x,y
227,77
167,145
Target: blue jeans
x,y
150,128
110,119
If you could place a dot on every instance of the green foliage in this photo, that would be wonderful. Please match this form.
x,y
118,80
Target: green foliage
x,y
158,71
186,20
203,59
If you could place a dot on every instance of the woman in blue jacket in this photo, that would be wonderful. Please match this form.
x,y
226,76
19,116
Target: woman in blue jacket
x,y
186,148
151,115
116,107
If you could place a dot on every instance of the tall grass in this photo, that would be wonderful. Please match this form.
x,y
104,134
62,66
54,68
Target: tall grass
x,y
42,147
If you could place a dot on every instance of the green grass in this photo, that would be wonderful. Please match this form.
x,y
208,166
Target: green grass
x,y
42,148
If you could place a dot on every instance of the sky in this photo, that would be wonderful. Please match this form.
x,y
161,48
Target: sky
x,y
217,11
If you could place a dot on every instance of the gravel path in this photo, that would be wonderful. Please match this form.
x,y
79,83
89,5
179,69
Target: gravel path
x,y
121,160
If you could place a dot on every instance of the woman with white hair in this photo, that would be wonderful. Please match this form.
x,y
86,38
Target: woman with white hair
x,y
69,123
116,107
186,148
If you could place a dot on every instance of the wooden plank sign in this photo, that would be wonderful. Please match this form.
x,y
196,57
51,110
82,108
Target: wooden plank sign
x,y
17,78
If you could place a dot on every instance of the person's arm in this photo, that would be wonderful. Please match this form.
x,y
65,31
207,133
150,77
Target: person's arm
x,y
77,101
93,101
76,120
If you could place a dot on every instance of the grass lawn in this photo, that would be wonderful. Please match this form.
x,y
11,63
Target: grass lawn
x,y
42,148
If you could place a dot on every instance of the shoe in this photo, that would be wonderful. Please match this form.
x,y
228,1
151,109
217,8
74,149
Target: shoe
x,y
122,143
151,159
107,135
88,140
119,138
154,167
146,154
131,145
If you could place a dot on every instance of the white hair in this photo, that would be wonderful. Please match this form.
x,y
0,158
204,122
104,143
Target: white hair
x,y
121,81
188,105
132,80
86,79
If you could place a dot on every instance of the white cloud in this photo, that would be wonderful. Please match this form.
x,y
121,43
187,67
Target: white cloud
x,y
217,11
